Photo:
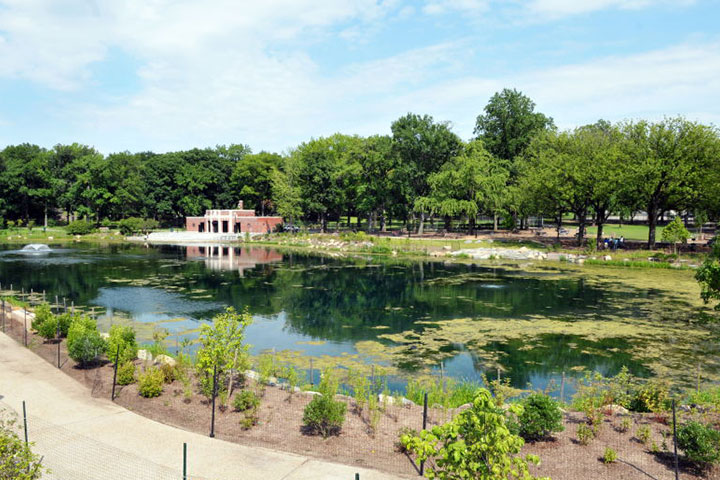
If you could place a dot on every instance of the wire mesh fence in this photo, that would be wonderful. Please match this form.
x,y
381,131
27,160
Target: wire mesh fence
x,y
642,443
70,455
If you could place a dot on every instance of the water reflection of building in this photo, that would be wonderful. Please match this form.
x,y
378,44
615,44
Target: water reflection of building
x,y
218,257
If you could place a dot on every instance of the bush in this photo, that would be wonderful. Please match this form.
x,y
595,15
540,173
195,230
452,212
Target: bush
x,y
64,321
476,444
643,434
610,455
49,328
80,227
540,417
43,313
650,397
150,382
585,434
17,461
324,415
126,373
123,337
170,372
246,400
701,443
84,342
133,225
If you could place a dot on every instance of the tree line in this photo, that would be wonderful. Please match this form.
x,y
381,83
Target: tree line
x,y
517,165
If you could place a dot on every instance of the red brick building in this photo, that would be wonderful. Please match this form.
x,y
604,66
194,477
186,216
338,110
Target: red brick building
x,y
232,221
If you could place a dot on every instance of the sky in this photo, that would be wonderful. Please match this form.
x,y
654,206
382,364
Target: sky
x,y
166,75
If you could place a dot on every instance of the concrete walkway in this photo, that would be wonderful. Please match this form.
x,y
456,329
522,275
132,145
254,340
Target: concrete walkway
x,y
88,438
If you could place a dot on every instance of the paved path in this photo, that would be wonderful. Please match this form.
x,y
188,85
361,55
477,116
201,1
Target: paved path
x,y
88,438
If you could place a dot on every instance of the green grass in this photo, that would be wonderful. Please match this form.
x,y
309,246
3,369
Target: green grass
x,y
630,232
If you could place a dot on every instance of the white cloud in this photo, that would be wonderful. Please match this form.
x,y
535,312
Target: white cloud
x,y
437,7
678,80
562,8
213,72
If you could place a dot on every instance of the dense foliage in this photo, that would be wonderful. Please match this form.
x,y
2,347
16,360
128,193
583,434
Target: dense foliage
x,y
222,348
476,444
709,276
122,340
150,382
541,416
84,342
701,443
17,462
518,166
324,415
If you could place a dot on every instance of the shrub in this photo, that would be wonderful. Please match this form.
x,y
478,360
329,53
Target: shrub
x,y
84,342
126,373
610,455
246,400
64,322
643,434
80,227
475,444
150,382
701,443
49,328
170,372
42,314
324,416
123,337
17,461
540,417
625,424
585,434
650,397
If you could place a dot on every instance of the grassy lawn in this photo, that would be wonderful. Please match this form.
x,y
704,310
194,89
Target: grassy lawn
x,y
630,232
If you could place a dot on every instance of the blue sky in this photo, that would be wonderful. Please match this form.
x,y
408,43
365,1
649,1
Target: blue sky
x,y
166,75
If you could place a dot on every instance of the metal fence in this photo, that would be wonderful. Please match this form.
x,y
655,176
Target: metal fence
x,y
69,455
369,437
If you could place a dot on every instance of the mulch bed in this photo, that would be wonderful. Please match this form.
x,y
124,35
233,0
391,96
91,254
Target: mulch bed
x,y
280,427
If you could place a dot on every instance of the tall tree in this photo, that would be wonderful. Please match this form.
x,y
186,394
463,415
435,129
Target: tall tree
x,y
509,123
251,180
667,163
422,147
466,185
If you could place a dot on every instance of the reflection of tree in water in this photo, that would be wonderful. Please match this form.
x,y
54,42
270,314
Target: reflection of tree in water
x,y
345,300
551,354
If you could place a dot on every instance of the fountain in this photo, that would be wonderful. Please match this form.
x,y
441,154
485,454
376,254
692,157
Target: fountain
x,y
36,248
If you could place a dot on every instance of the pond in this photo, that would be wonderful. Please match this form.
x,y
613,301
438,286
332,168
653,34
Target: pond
x,y
531,322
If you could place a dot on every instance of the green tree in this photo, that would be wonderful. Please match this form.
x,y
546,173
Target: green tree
x,y
476,444
509,124
252,180
667,162
708,275
466,185
422,147
675,232
222,347
378,179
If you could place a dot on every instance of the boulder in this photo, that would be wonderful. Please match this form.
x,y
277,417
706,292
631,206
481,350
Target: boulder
x,y
165,360
447,247
144,355
607,258
617,409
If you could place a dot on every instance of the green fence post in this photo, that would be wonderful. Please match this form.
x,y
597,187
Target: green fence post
x,y
25,423
184,461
